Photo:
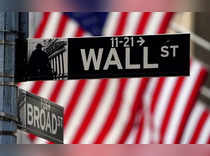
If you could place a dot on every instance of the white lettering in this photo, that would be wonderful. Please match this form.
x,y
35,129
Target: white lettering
x,y
42,119
36,117
128,65
116,61
91,56
146,64
48,125
54,124
174,47
165,52
29,114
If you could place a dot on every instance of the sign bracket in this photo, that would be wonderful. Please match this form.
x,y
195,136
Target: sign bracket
x,y
8,117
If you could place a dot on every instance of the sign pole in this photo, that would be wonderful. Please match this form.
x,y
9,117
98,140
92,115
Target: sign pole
x,y
9,31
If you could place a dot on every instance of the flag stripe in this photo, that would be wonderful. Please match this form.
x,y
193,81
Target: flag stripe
x,y
102,111
190,104
156,94
41,27
112,115
192,122
62,25
165,21
122,23
57,89
137,106
92,109
140,130
205,132
198,129
143,22
125,111
132,23
170,108
72,102
208,140
156,18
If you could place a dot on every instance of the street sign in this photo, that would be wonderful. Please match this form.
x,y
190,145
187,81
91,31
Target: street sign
x,y
105,57
40,116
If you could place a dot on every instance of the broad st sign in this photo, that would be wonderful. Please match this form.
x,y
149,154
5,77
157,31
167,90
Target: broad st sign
x,y
108,57
40,117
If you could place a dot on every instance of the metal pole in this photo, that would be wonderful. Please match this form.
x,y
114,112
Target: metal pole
x,y
9,31
8,108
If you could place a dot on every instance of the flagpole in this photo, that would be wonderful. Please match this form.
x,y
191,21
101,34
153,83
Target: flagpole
x,y
9,31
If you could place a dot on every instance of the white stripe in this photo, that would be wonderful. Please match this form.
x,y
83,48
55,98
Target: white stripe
x,y
27,86
124,112
40,141
192,123
162,105
34,21
80,110
205,132
132,23
52,25
181,103
163,101
111,23
47,89
132,136
101,113
154,22
146,133
147,99
66,93
70,29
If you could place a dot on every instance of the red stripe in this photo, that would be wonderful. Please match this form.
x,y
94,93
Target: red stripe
x,y
36,87
32,137
19,84
143,22
156,94
114,112
140,129
208,142
42,25
170,108
122,23
92,110
191,102
80,32
137,105
199,127
73,101
165,22
62,25
56,91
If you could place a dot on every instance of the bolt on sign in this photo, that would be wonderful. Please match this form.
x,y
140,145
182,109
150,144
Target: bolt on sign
x,y
103,57
40,116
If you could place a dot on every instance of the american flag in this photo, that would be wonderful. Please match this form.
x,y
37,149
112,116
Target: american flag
x,y
155,110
